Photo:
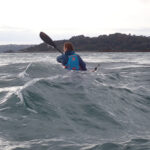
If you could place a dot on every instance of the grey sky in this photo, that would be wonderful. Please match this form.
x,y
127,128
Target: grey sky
x,y
22,20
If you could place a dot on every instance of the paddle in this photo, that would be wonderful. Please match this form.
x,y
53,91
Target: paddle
x,y
49,41
96,67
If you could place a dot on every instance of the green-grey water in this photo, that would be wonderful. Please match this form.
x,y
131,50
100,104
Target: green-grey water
x,y
44,107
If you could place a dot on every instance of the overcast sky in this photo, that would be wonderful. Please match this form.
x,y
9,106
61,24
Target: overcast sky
x,y
22,20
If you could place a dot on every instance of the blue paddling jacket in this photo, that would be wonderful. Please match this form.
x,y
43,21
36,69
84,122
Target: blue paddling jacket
x,y
71,61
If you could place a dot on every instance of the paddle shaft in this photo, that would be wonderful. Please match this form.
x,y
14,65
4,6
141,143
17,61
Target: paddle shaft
x,y
58,50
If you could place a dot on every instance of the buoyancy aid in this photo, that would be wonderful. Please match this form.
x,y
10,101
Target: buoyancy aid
x,y
73,62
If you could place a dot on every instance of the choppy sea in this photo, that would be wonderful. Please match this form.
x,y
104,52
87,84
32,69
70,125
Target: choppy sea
x,y
44,107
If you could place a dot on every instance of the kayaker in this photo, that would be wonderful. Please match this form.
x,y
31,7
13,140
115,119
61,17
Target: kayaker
x,y
70,60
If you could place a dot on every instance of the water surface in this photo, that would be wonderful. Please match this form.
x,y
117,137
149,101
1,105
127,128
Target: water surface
x,y
44,107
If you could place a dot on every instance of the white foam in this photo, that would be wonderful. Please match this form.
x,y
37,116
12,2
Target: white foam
x,y
17,90
5,89
4,118
9,145
24,73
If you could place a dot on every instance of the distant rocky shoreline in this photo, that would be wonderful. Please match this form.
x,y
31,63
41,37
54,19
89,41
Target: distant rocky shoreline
x,y
104,43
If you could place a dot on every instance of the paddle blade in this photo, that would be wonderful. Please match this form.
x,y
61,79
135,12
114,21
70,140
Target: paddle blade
x,y
95,69
47,39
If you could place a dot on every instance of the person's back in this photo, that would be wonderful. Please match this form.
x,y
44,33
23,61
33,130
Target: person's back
x,y
70,60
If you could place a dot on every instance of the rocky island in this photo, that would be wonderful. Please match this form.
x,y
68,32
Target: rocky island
x,y
104,43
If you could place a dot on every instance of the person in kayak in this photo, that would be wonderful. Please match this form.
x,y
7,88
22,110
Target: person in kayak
x,y
70,60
